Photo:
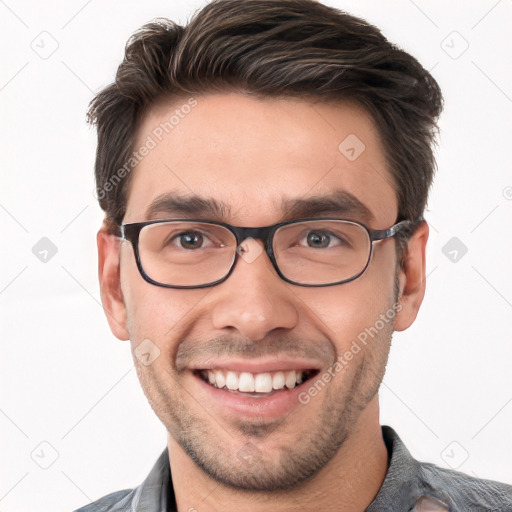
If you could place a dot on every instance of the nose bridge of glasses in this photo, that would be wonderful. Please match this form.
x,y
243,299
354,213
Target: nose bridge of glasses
x,y
262,234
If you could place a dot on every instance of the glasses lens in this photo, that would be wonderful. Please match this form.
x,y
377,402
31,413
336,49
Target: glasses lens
x,y
321,252
186,253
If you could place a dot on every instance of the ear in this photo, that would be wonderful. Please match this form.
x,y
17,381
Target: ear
x,y
110,283
411,278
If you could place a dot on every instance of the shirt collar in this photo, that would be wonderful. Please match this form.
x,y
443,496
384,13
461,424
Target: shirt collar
x,y
400,489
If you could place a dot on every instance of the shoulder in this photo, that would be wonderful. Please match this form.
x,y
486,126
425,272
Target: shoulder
x,y
465,492
113,502
417,486
154,493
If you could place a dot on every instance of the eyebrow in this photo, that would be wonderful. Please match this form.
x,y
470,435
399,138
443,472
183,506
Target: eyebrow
x,y
337,203
187,206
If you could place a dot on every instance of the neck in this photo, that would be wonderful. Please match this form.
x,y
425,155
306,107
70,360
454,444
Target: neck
x,y
351,479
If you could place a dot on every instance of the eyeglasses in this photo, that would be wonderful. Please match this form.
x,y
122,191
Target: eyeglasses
x,y
200,253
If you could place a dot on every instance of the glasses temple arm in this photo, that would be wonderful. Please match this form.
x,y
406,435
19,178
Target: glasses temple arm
x,y
382,234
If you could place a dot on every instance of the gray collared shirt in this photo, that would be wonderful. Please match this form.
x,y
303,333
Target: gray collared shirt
x,y
409,486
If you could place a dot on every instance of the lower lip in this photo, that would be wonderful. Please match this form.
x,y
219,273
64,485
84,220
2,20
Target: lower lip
x,y
278,404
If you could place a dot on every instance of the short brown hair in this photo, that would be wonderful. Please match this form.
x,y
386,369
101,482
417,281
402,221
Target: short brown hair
x,y
271,48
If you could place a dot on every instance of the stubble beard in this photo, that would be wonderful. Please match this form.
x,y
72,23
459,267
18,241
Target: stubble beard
x,y
302,454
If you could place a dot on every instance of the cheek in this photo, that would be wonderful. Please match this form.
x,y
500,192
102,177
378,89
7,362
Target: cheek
x,y
153,312
345,311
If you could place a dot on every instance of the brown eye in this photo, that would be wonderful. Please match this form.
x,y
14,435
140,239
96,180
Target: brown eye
x,y
191,240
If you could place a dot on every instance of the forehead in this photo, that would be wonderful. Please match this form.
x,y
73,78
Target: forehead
x,y
255,157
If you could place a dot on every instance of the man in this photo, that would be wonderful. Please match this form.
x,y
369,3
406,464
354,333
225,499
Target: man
x,y
264,172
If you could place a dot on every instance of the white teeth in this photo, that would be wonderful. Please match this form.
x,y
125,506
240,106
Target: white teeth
x,y
263,383
290,379
232,380
220,379
246,383
278,380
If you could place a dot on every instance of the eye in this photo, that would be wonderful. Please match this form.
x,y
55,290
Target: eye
x,y
322,240
191,240
318,240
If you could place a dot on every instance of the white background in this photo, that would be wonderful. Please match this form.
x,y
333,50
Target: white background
x,y
68,382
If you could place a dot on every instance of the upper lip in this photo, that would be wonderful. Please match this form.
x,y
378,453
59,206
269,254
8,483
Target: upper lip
x,y
256,366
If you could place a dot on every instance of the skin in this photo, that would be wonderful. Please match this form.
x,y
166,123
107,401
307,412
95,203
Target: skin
x,y
251,153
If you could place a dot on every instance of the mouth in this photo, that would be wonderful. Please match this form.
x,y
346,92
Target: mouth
x,y
255,385
258,389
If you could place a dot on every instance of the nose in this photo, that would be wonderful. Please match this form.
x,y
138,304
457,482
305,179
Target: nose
x,y
254,300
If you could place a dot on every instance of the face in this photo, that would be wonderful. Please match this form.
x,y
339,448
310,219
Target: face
x,y
259,160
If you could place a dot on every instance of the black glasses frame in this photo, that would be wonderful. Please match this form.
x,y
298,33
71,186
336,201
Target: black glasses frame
x,y
131,233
